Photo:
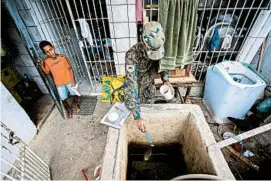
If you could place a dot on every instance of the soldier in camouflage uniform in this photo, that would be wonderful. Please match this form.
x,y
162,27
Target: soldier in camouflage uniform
x,y
141,65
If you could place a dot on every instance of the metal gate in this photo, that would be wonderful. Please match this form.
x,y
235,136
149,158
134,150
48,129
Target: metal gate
x,y
90,22
233,19
18,161
79,29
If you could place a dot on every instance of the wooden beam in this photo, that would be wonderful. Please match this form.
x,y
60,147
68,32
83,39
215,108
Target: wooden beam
x,y
242,136
239,155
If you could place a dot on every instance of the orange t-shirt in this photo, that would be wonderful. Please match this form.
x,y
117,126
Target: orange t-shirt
x,y
60,69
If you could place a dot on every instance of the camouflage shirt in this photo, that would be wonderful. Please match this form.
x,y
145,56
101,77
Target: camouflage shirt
x,y
140,75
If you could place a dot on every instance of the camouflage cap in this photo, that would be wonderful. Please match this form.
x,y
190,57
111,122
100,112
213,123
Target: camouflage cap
x,y
154,39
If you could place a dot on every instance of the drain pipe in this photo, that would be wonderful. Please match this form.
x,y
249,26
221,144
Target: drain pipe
x,y
197,177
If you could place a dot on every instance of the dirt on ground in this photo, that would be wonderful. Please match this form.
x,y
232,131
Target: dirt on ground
x,y
259,145
69,146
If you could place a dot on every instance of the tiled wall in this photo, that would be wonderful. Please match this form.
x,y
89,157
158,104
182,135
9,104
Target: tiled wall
x,y
23,62
123,29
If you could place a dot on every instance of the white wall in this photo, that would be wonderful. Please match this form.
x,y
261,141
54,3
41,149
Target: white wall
x,y
123,29
16,119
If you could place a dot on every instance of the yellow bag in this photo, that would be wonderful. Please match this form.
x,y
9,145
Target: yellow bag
x,y
113,89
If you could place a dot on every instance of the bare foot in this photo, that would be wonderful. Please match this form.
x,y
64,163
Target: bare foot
x,y
69,114
78,109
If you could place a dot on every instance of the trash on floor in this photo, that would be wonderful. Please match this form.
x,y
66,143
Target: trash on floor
x,y
248,153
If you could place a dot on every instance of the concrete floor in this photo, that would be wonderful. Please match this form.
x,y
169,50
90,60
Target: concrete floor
x,y
69,146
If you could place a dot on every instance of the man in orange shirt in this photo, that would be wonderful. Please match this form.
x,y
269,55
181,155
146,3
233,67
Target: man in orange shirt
x,y
61,69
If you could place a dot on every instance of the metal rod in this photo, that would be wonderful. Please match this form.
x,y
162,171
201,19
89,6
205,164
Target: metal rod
x,y
112,71
211,59
68,30
17,169
35,171
202,15
77,35
205,35
58,32
25,147
29,157
75,68
250,27
263,8
151,12
228,28
114,36
8,176
78,67
212,33
94,19
95,42
241,136
244,22
99,34
128,24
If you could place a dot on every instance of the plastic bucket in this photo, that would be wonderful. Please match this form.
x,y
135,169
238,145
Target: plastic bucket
x,y
167,92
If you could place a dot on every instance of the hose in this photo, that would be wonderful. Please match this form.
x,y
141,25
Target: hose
x,y
197,177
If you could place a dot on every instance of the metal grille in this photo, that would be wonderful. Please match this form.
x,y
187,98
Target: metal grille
x,y
90,22
22,162
52,23
233,19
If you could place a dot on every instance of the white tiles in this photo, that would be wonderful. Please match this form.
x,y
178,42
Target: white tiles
x,y
120,69
122,45
121,30
120,57
116,2
133,30
132,13
120,13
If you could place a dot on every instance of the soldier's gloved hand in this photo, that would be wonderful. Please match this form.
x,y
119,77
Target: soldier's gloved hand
x,y
141,125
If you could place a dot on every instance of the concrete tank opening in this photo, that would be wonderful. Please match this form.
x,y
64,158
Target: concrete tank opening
x,y
166,162
178,131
